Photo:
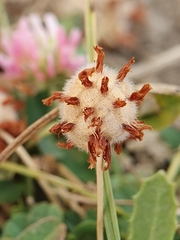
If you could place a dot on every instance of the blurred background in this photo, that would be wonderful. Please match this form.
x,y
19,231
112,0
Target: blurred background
x,y
139,28
147,30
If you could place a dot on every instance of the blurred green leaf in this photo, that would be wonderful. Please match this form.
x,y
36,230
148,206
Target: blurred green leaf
x,y
171,136
10,191
48,145
42,229
74,159
169,110
85,230
154,214
124,227
43,210
71,22
71,219
35,108
39,224
15,225
176,236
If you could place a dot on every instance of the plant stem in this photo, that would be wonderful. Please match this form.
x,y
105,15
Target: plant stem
x,y
174,167
110,217
4,20
100,202
91,40
38,174
90,30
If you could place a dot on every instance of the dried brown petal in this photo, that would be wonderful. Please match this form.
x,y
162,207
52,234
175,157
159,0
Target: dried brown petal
x,y
98,145
9,100
56,129
55,96
67,127
104,85
107,155
92,162
123,72
18,105
88,111
139,95
68,145
119,103
63,128
92,151
100,59
83,77
136,130
94,146
118,148
96,122
2,145
71,100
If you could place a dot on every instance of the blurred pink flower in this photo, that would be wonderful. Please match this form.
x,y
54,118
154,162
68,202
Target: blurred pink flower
x,y
40,49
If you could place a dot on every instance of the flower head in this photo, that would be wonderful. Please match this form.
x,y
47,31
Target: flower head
x,y
98,109
40,49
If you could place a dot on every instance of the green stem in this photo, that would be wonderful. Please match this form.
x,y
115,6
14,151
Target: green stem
x,y
90,30
38,174
122,212
174,167
4,20
110,217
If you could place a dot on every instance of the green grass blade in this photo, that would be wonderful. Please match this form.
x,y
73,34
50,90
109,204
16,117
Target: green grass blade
x,y
110,217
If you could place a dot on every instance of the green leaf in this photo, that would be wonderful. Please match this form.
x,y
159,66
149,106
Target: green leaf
x,y
71,219
15,225
44,210
10,191
40,230
85,230
154,213
40,223
6,238
171,136
169,110
35,108
48,145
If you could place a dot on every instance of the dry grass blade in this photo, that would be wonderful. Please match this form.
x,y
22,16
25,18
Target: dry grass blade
x,y
28,133
27,160
159,62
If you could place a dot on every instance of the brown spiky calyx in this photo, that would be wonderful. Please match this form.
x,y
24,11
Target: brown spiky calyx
x,y
124,71
139,95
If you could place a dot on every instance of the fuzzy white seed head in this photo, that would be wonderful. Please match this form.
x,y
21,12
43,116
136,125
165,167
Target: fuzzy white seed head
x,y
112,118
98,108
